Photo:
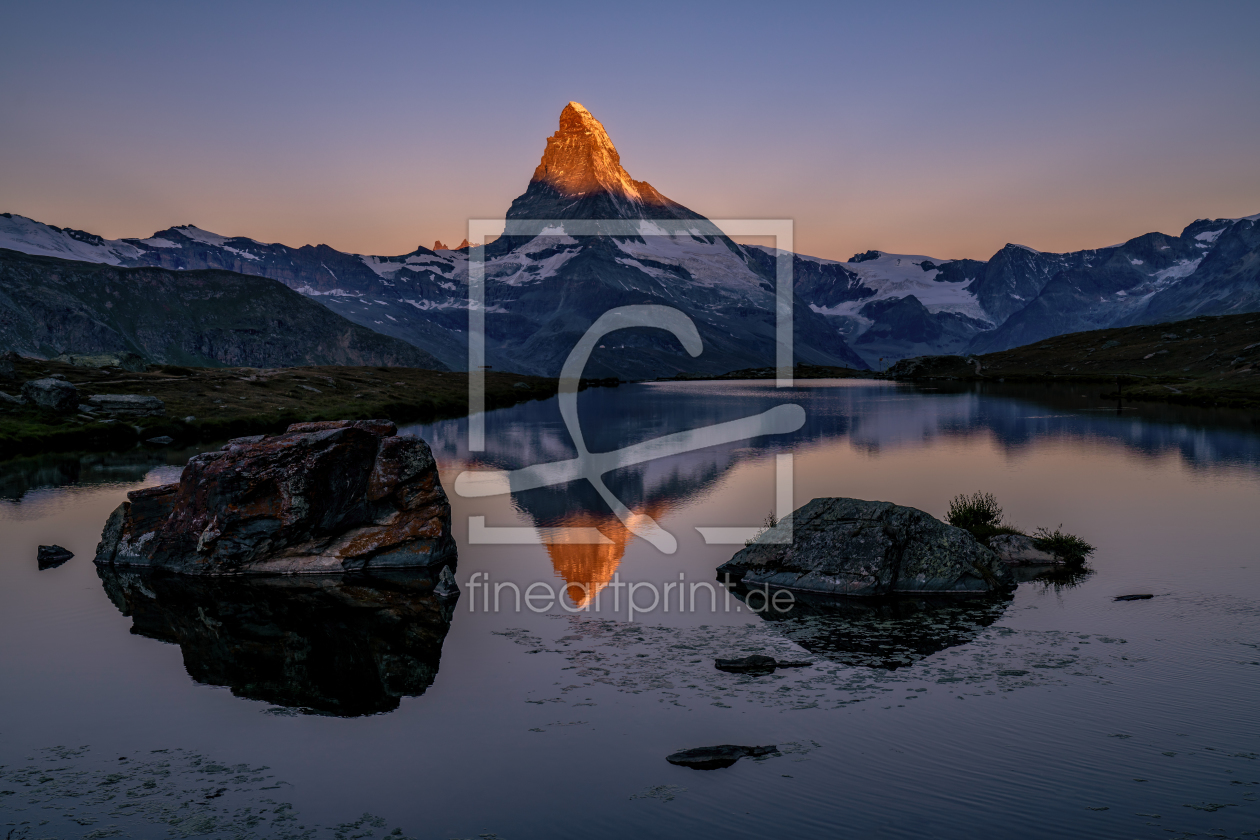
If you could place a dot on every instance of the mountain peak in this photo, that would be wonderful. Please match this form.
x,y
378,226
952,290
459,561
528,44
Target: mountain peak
x,y
580,159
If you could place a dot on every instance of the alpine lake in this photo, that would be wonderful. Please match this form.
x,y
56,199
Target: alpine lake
x,y
355,707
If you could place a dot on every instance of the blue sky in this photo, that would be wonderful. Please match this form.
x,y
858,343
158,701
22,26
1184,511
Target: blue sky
x,y
945,129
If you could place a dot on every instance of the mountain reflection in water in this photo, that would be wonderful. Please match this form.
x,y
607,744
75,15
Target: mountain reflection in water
x,y
871,416
331,645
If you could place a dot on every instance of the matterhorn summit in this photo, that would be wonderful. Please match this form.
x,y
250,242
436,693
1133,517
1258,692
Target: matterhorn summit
x,y
580,176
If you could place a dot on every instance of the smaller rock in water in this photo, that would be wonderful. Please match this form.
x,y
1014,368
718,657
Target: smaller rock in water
x,y
715,758
161,440
52,556
1133,597
8,399
756,664
52,393
127,405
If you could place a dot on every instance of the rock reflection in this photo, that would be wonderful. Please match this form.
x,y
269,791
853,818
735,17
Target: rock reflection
x,y
887,633
331,645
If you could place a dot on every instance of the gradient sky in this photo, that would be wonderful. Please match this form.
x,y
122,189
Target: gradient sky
x,y
931,128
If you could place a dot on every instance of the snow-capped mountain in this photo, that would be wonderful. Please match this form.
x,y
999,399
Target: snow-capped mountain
x,y
891,306
544,289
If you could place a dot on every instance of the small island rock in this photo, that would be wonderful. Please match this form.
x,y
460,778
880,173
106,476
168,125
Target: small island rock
x,y
321,497
853,547
52,556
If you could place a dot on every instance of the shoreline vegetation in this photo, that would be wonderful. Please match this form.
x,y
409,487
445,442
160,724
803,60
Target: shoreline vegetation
x,y
210,404
1208,361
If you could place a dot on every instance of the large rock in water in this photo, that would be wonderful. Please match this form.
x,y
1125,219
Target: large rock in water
x,y
855,547
322,497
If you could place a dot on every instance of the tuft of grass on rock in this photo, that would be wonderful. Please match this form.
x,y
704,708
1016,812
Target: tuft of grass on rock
x,y
1069,547
980,514
770,521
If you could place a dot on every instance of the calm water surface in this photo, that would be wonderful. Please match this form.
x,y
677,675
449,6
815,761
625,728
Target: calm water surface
x,y
137,707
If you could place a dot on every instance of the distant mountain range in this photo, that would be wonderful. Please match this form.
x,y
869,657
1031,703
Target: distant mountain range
x,y
543,291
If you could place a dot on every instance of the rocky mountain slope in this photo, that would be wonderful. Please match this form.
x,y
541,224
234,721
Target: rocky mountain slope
x,y
51,306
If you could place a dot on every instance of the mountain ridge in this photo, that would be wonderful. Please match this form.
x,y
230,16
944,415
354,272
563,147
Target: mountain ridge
x,y
544,287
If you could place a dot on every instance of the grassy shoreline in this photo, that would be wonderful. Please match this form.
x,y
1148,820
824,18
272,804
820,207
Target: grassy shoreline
x,y
1209,361
209,404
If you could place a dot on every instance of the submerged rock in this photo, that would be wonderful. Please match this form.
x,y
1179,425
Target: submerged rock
x,y
756,664
319,498
52,393
1020,550
1133,597
715,758
52,556
854,547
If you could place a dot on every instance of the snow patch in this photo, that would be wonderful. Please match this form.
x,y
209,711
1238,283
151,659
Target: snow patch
x,y
1209,235
18,233
206,237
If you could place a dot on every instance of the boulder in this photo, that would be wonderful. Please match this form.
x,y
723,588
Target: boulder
x,y
11,401
52,556
715,758
125,360
319,498
55,394
126,405
854,547
1019,550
